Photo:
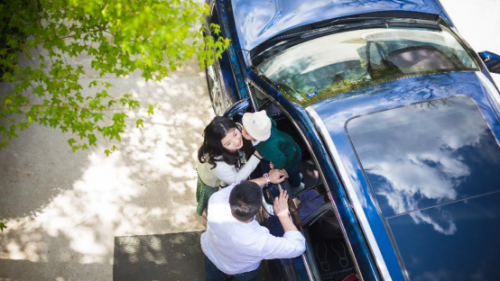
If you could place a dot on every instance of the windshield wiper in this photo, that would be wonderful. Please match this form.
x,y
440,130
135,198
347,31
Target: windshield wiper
x,y
349,20
335,25
336,28
293,37
412,23
390,22
331,25
285,40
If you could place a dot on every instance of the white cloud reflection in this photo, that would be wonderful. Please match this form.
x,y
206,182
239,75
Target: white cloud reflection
x,y
413,153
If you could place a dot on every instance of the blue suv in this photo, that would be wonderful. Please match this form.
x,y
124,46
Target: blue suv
x,y
398,122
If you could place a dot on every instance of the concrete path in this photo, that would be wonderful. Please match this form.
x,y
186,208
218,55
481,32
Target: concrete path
x,y
65,209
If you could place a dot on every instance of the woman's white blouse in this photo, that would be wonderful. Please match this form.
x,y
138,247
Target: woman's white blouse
x,y
228,174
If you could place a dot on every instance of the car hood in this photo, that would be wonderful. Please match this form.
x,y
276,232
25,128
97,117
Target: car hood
x,y
259,20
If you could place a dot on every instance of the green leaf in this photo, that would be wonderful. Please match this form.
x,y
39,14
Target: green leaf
x,y
23,125
139,123
132,104
3,144
98,117
151,110
92,139
226,43
2,226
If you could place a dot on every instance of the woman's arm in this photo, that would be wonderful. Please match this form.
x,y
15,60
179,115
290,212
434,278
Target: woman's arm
x,y
274,176
228,173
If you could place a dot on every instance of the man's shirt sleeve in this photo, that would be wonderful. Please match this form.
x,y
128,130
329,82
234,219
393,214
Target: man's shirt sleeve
x,y
291,245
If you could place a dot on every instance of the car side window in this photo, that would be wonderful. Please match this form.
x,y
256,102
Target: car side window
x,y
259,96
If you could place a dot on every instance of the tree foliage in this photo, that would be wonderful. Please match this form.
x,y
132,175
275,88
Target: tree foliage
x,y
39,37
153,37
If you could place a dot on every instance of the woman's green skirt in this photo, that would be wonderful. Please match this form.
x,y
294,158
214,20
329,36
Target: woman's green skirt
x,y
203,193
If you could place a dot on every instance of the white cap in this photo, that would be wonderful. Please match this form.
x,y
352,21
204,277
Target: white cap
x,y
257,125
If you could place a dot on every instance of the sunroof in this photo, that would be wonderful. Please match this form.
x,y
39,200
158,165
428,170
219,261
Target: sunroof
x,y
426,154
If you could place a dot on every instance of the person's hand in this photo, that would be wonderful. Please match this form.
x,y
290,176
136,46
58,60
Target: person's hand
x,y
281,204
271,165
277,176
257,154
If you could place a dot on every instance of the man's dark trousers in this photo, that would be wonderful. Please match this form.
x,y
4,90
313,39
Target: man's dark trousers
x,y
212,273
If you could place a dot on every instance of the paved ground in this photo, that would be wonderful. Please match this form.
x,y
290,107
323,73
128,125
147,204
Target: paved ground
x,y
64,210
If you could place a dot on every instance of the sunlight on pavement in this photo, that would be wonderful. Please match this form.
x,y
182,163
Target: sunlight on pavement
x,y
147,187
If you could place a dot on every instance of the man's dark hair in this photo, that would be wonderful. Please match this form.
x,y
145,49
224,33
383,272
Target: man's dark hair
x,y
245,200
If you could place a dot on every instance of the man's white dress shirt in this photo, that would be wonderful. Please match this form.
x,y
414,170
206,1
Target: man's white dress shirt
x,y
236,247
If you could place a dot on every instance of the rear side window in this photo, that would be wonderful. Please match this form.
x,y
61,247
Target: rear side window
x,y
426,154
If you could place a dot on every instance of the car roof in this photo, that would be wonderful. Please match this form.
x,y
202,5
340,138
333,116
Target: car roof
x,y
259,20
336,112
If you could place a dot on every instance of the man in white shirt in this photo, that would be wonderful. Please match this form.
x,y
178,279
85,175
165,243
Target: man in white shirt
x,y
234,243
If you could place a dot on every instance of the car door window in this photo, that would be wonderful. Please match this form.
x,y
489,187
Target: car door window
x,y
259,97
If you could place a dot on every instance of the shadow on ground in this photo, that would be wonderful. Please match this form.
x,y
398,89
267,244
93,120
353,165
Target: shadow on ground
x,y
162,257
64,209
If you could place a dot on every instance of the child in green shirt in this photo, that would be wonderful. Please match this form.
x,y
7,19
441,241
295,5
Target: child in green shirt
x,y
273,145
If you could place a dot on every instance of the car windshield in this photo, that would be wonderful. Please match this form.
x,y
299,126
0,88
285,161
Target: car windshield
x,y
337,63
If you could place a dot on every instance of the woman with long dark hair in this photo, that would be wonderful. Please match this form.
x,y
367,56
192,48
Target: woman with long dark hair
x,y
225,157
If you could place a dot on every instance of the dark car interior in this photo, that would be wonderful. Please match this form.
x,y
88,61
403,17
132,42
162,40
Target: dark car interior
x,y
307,168
326,243
409,57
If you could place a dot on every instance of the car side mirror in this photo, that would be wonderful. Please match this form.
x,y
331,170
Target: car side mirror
x,y
491,60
